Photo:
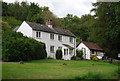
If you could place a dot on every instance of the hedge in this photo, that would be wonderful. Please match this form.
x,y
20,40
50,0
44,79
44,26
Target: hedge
x,y
59,54
16,47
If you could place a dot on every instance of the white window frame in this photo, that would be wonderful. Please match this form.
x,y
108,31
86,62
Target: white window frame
x,y
71,39
38,34
65,51
60,37
70,51
51,36
52,49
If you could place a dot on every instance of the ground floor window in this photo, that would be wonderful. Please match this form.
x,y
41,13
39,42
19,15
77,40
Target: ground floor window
x,y
60,48
70,51
52,49
92,51
65,51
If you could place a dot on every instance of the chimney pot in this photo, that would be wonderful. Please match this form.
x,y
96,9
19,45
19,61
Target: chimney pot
x,y
49,23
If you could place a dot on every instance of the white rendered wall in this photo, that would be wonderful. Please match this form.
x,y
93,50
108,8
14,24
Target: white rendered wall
x,y
45,37
25,29
81,45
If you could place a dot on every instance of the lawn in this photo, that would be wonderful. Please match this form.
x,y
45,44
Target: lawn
x,y
54,69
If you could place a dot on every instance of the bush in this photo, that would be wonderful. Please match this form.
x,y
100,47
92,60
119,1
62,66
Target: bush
x,y
94,57
73,58
59,54
16,47
79,53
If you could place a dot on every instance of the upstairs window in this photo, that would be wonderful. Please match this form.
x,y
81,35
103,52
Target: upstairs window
x,y
38,34
52,36
51,49
71,39
60,37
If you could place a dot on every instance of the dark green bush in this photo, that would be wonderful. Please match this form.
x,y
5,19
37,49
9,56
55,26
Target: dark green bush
x,y
73,58
79,53
59,54
16,47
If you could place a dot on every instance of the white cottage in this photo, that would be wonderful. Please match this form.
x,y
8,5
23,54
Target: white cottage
x,y
89,48
54,38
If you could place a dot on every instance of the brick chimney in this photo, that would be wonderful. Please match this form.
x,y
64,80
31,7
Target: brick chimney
x,y
49,23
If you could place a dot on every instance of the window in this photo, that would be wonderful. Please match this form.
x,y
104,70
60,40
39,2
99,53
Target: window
x,y
60,37
52,49
71,40
38,34
70,51
92,52
51,36
60,48
65,51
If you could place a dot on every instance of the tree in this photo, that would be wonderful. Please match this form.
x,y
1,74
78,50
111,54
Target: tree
x,y
108,27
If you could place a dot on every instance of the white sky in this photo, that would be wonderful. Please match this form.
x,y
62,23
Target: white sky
x,y
62,7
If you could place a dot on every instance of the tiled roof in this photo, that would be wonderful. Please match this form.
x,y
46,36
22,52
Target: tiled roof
x,y
41,27
92,46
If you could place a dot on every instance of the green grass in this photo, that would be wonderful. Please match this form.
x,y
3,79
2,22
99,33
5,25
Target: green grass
x,y
54,69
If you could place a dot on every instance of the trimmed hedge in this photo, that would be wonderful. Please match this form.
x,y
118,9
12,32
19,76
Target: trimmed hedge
x,y
59,54
16,47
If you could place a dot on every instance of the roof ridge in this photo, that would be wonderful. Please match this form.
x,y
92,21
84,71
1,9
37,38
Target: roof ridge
x,y
42,27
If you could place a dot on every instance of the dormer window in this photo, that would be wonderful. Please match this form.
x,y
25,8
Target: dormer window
x,y
52,36
38,34
71,39
60,37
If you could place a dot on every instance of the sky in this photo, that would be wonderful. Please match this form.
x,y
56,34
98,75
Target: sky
x,y
62,7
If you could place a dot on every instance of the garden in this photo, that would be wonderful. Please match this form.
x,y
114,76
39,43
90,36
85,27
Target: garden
x,y
56,69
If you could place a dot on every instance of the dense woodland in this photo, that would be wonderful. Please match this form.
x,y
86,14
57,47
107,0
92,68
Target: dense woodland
x,y
102,28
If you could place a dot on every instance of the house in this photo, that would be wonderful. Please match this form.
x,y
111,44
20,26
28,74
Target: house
x,y
89,48
54,38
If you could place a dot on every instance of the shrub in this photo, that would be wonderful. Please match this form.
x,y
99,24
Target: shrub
x,y
16,47
73,58
94,57
79,53
59,54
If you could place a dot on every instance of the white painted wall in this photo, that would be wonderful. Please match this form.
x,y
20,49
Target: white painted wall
x,y
81,45
45,37
89,52
25,29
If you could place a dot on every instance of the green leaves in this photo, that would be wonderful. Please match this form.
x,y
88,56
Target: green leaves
x,y
16,47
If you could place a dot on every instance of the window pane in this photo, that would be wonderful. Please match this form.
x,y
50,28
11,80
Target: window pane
x,y
52,49
36,34
71,39
51,36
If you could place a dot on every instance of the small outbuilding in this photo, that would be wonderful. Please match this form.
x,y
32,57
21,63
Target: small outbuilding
x,y
89,48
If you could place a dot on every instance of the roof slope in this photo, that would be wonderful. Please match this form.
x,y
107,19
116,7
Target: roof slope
x,y
92,46
41,27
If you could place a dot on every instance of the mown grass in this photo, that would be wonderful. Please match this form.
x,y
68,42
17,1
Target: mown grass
x,y
54,69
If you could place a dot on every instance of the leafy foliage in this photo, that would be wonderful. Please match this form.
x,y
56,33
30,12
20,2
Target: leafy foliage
x,y
94,57
79,53
73,58
16,47
59,54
